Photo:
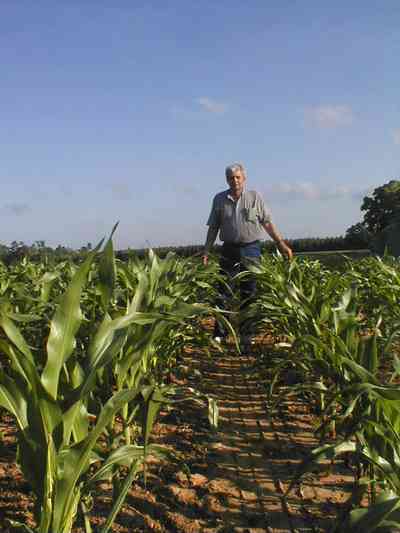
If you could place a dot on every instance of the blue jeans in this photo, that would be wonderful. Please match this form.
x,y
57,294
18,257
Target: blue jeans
x,y
236,258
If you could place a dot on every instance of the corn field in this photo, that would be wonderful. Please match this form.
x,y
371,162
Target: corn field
x,y
86,352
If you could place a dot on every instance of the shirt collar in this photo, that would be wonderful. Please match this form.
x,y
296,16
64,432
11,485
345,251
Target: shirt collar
x,y
228,195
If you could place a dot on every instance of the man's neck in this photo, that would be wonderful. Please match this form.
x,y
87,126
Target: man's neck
x,y
235,196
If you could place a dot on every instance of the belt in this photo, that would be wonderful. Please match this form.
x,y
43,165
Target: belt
x,y
240,244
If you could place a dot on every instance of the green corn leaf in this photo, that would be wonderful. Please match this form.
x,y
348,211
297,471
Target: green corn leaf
x,y
326,452
140,292
107,271
371,354
119,500
14,357
23,318
20,356
48,487
15,336
154,398
75,460
47,282
50,412
110,339
396,366
107,343
123,456
101,341
389,392
64,327
32,457
360,372
375,459
76,422
352,405
130,360
13,399
368,520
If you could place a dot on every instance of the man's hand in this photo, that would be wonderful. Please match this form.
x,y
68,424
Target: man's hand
x,y
276,237
285,250
205,259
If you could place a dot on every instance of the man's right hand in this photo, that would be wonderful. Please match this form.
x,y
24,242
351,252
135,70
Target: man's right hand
x,y
205,259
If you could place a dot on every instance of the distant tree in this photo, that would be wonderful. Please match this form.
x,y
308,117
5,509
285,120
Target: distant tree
x,y
358,235
3,251
85,249
382,207
17,245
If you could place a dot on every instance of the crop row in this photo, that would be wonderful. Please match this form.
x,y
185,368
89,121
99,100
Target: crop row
x,y
85,351
340,341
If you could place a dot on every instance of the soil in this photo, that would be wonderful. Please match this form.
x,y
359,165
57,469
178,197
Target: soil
x,y
233,479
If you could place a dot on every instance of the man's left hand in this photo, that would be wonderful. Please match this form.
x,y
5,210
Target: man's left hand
x,y
285,250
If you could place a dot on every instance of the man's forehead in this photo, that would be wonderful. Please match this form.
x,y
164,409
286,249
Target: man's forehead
x,y
232,173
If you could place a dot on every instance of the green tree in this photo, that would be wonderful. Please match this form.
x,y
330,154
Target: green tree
x,y
358,235
381,207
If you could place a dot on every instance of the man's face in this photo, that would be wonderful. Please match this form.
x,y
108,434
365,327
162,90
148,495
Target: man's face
x,y
236,181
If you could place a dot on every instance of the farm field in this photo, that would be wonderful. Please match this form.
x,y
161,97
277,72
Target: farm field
x,y
231,480
120,413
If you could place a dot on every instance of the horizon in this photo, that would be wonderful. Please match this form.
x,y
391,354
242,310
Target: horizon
x,y
92,245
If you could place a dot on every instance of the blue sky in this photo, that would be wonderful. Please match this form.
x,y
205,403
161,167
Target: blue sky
x,y
130,110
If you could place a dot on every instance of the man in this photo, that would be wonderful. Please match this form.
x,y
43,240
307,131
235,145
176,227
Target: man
x,y
241,217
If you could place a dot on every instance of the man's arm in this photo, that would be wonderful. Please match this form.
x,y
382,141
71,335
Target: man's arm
x,y
210,240
277,238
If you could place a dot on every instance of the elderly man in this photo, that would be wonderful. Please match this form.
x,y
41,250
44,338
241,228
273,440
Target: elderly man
x,y
241,217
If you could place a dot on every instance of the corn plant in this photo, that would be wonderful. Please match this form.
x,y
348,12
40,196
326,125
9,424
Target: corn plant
x,y
57,442
364,411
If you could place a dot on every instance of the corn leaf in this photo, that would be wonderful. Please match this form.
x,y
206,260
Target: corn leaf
x,y
64,327
107,271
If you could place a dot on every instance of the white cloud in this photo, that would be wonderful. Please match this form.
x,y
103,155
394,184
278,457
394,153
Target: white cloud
x,y
212,106
198,107
396,136
329,116
313,192
16,209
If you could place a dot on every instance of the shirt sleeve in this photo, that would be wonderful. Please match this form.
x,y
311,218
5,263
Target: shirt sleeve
x,y
214,220
263,211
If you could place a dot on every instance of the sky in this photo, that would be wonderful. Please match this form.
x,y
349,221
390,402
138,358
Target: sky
x,y
130,111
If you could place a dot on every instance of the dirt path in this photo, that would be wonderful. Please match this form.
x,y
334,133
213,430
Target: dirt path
x,y
253,456
240,450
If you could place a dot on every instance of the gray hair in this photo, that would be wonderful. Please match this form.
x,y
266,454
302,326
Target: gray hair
x,y
230,169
